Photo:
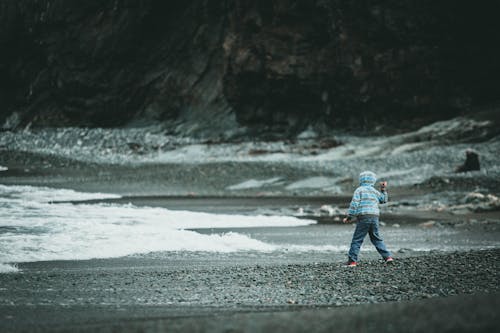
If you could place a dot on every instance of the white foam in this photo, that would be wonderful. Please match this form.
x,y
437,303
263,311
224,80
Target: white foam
x,y
7,268
33,228
2,168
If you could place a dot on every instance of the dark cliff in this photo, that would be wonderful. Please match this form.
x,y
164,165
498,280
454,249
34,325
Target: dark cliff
x,y
210,66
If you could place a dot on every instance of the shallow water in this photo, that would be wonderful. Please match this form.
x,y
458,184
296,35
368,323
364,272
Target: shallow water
x,y
38,224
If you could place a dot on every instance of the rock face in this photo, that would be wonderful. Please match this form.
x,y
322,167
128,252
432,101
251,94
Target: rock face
x,y
209,67
107,63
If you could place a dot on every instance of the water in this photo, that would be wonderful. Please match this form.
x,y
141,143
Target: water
x,y
39,224
36,225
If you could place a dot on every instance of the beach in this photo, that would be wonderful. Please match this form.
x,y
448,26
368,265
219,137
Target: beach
x,y
211,166
301,284
222,292
249,243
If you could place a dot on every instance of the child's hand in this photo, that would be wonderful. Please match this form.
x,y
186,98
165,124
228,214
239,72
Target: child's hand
x,y
383,186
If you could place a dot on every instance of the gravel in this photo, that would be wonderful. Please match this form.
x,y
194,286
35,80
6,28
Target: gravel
x,y
430,275
83,292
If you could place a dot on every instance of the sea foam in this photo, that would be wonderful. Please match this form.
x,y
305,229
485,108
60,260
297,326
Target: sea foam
x,y
7,268
37,223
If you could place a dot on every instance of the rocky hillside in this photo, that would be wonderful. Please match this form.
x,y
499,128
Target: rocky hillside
x,y
228,67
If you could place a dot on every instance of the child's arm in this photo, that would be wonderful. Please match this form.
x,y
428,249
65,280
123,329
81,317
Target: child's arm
x,y
384,196
353,207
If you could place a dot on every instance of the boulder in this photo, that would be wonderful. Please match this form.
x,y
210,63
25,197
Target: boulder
x,y
471,162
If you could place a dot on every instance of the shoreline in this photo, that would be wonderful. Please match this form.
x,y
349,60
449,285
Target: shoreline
x,y
304,207
255,291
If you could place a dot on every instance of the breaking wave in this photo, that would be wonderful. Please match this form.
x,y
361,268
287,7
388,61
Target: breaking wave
x,y
37,223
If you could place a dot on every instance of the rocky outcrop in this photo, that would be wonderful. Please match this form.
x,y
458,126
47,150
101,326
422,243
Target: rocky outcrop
x,y
471,162
225,68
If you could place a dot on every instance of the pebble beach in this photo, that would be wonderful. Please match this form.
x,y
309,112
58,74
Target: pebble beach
x,y
133,240
102,295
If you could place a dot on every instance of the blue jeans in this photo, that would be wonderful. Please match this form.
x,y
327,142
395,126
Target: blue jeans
x,y
367,225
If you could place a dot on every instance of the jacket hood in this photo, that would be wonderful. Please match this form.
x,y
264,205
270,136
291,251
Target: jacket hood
x,y
367,178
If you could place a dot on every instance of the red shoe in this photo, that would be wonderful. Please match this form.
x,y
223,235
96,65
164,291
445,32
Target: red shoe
x,y
351,264
389,260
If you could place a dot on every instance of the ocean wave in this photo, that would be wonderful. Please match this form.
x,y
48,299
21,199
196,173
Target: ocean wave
x,y
8,268
35,228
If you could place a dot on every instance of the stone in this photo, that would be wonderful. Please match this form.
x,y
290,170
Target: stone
x,y
471,162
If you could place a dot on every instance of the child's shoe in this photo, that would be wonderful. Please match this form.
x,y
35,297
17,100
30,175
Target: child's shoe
x,y
389,260
351,264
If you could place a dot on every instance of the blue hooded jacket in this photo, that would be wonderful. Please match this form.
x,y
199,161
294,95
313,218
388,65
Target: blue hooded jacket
x,y
366,198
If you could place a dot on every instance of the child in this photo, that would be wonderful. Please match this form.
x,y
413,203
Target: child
x,y
364,206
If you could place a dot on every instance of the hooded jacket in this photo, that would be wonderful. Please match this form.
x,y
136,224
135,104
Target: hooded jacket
x,y
366,198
